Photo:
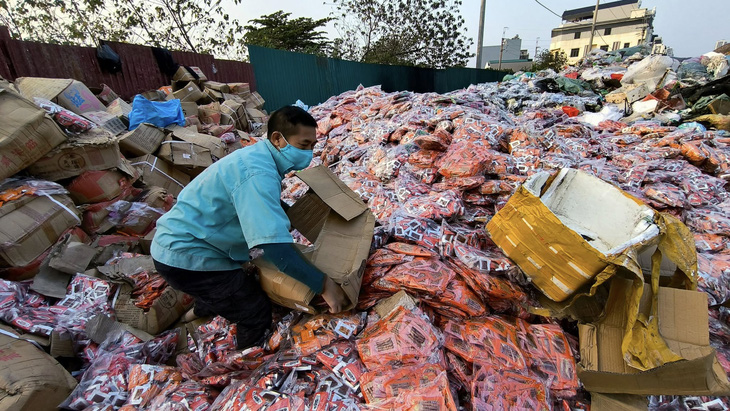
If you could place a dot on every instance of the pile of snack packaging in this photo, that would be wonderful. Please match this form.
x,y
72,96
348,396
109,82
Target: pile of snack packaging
x,y
444,318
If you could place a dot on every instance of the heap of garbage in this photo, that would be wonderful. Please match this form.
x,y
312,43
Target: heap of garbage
x,y
482,200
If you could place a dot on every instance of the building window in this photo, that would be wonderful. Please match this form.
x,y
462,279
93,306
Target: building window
x,y
627,45
604,48
607,31
574,52
577,35
616,45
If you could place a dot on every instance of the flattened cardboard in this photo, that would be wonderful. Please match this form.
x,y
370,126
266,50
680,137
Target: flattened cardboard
x,y
74,258
145,139
109,122
164,312
189,108
214,85
29,378
562,232
340,228
254,100
191,92
618,402
72,160
28,231
399,299
158,172
119,108
71,94
100,327
683,323
255,115
26,133
127,266
184,154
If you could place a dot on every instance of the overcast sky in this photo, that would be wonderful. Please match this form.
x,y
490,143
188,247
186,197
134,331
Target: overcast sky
x,y
691,27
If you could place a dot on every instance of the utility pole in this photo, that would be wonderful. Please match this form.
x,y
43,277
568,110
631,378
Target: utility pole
x,y
593,26
537,43
501,47
480,40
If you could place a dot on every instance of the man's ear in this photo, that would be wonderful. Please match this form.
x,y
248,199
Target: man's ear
x,y
277,139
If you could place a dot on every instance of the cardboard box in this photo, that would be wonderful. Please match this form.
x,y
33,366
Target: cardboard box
x,y
683,324
240,88
96,186
255,101
340,227
33,227
106,94
214,85
189,108
217,147
191,92
165,311
213,95
29,378
185,154
256,116
563,231
109,122
189,73
618,402
237,112
145,139
158,172
26,133
71,94
119,108
73,158
156,95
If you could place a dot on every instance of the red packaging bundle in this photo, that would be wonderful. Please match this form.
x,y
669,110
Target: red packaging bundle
x,y
501,295
549,356
384,258
495,389
383,204
342,360
488,340
709,220
408,186
488,262
710,243
146,382
189,395
215,339
435,205
458,295
402,337
409,388
713,276
496,187
460,183
424,158
421,231
105,382
463,159
424,276
439,140
409,249
666,195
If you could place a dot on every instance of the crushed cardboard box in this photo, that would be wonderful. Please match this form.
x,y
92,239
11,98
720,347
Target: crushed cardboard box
x,y
29,378
191,92
563,231
340,227
70,94
144,139
189,73
26,133
683,324
158,172
93,150
185,154
96,186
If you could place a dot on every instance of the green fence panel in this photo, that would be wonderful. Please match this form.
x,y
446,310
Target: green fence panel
x,y
284,77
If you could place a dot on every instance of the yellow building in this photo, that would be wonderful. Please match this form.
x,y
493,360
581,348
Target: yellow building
x,y
619,24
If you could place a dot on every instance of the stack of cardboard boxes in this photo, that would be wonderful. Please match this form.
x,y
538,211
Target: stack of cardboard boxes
x,y
72,200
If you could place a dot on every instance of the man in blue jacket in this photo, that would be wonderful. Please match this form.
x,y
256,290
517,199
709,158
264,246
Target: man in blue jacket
x,y
233,206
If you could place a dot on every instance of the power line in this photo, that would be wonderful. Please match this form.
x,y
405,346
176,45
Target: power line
x,y
545,7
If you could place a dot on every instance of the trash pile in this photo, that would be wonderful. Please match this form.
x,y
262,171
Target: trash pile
x,y
511,224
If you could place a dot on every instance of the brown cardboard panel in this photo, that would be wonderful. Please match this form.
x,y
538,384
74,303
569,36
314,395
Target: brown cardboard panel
x,y
26,134
145,139
28,231
183,74
333,192
254,100
683,323
158,172
165,311
185,154
109,122
308,215
73,258
119,108
100,327
189,108
618,402
399,299
29,378
70,161
222,87
283,289
190,93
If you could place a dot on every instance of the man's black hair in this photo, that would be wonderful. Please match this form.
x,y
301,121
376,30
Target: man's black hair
x,y
287,120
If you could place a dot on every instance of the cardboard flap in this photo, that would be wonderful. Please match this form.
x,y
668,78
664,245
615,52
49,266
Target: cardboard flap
x,y
47,88
100,327
191,135
333,192
308,215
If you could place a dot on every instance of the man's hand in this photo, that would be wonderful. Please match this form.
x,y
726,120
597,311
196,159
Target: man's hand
x,y
333,295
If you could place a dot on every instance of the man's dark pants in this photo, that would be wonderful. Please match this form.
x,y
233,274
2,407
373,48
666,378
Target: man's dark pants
x,y
235,295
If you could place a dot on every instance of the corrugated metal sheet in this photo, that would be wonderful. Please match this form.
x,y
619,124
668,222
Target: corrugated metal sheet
x,y
140,71
283,77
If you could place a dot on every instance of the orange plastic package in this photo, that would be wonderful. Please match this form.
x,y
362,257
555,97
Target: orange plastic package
x,y
489,340
419,387
495,389
549,355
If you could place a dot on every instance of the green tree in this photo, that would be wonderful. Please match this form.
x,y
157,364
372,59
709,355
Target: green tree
x,y
547,59
425,33
278,32
200,26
